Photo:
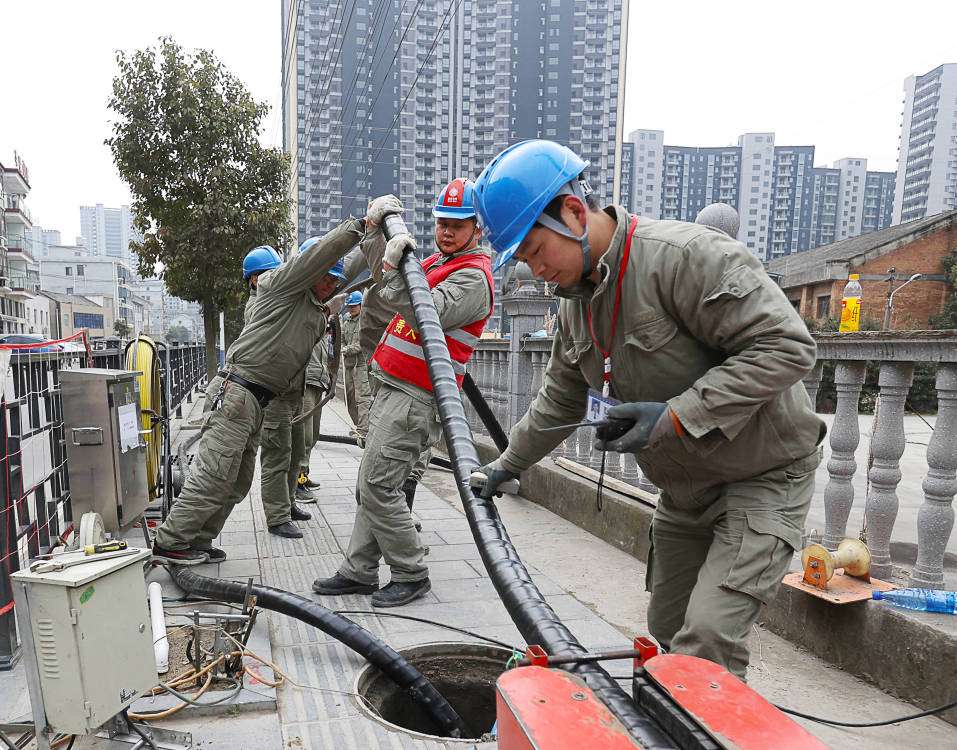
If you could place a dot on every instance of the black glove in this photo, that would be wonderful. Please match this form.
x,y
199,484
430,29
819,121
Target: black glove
x,y
495,476
652,421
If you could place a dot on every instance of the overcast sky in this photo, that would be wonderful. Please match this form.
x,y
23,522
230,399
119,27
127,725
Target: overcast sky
x,y
827,74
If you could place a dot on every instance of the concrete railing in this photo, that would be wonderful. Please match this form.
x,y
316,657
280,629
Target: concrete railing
x,y
509,372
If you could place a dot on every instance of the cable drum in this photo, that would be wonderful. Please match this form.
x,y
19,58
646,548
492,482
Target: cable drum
x,y
142,355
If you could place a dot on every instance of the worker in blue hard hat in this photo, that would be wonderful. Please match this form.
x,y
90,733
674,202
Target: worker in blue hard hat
x,y
265,362
676,330
403,422
355,377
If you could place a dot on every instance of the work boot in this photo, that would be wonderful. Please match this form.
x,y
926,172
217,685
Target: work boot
x,y
397,593
214,554
179,556
298,514
287,529
409,489
304,496
339,584
305,481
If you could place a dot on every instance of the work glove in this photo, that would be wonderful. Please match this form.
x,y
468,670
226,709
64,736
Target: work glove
x,y
495,476
652,422
379,207
395,249
335,304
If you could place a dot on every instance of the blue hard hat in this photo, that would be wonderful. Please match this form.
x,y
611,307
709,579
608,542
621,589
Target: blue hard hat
x,y
338,270
259,259
516,186
355,298
307,244
456,200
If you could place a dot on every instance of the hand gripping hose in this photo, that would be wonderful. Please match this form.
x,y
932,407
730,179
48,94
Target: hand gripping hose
x,y
534,618
392,664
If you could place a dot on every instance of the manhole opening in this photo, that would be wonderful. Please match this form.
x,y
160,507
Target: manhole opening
x,y
464,673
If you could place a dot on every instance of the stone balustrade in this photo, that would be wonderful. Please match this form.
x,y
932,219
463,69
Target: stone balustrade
x,y
509,372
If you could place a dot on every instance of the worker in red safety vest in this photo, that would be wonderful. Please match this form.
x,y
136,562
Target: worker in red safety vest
x,y
403,421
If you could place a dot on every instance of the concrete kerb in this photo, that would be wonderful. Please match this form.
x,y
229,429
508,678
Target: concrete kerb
x,y
911,655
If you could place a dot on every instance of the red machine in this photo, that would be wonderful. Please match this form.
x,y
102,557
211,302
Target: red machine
x,y
697,703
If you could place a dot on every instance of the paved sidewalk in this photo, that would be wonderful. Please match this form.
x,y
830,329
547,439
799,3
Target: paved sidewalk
x,y
597,589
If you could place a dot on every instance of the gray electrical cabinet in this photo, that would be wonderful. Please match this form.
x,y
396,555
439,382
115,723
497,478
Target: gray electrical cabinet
x,y
107,453
87,638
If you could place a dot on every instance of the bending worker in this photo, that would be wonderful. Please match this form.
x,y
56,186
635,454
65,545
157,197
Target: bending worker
x,y
679,328
264,361
283,437
355,378
403,421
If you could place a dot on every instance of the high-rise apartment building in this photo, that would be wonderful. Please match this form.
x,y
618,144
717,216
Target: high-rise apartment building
x,y
786,204
394,97
107,231
927,154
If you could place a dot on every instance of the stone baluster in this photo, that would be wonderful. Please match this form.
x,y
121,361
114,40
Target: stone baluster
x,y
812,383
887,447
612,464
630,473
594,457
501,387
845,437
526,308
935,519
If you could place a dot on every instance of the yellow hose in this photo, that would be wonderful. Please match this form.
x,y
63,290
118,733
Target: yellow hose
x,y
142,355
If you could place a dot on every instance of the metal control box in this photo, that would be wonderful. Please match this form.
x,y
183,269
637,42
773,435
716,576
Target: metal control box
x,y
107,453
88,646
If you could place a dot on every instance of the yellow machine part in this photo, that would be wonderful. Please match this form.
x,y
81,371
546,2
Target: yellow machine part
x,y
142,356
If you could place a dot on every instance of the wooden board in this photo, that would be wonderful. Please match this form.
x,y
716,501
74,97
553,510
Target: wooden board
x,y
841,589
611,483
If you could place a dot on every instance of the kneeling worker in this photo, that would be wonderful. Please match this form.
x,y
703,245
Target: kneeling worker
x,y
679,328
284,325
403,420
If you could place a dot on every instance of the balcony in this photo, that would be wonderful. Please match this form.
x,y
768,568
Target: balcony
x,y
15,212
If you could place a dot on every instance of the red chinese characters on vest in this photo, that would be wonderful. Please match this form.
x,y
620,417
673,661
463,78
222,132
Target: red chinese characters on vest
x,y
400,353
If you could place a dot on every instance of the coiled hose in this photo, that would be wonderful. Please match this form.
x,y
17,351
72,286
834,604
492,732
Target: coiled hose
x,y
142,356
534,618
392,664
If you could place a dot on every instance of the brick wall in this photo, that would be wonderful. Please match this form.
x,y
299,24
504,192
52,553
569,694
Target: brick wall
x,y
913,306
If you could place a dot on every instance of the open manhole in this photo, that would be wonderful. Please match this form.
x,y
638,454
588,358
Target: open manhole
x,y
464,673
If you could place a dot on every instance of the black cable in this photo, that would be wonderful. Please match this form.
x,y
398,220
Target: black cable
x,y
136,729
851,724
426,621
73,739
884,723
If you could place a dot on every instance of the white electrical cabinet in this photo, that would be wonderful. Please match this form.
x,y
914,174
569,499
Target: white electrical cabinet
x,y
88,628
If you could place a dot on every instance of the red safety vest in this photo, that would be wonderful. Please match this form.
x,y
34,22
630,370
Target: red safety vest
x,y
400,353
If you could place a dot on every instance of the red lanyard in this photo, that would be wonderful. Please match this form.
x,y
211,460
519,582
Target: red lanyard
x,y
606,353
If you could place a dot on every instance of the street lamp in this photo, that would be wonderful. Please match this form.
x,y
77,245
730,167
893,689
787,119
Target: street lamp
x,y
889,310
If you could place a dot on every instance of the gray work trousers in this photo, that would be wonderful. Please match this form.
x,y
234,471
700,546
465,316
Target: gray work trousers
x,y
400,429
710,570
280,458
311,396
221,472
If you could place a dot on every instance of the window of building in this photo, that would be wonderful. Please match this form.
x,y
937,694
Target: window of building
x,y
87,320
823,307
68,270
79,270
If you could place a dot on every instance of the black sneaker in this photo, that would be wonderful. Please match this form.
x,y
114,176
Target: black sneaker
x,y
305,481
339,584
214,554
287,529
397,593
298,514
179,556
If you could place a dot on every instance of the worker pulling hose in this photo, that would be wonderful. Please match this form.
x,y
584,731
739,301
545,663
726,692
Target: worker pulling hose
x,y
392,664
534,618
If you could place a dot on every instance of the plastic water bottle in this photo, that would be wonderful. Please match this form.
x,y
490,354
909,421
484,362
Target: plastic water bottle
x,y
923,600
851,305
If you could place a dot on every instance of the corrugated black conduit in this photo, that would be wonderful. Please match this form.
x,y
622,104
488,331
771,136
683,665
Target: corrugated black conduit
x,y
534,618
392,664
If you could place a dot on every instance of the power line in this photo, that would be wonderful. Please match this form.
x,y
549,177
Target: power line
x,y
453,7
